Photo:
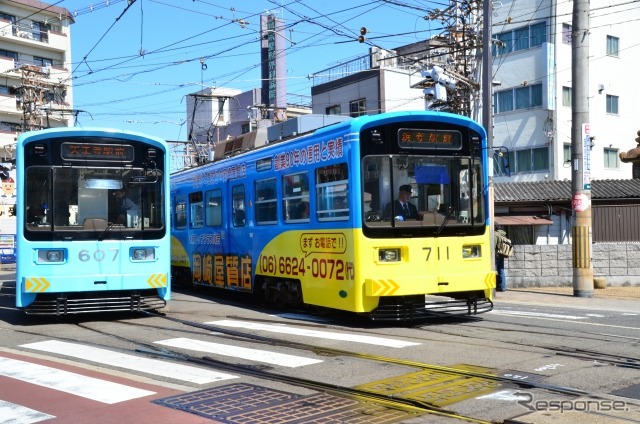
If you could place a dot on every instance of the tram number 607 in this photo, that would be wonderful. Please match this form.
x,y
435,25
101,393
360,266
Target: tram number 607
x,y
98,255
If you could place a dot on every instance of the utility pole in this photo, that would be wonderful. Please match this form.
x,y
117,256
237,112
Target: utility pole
x,y
581,152
487,110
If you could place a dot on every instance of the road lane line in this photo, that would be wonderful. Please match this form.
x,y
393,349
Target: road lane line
x,y
68,382
535,314
131,362
285,329
274,358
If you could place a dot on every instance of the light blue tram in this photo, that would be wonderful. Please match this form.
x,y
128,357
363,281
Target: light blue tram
x,y
312,220
92,221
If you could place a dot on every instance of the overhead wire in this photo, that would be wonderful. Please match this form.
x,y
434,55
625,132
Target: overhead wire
x,y
179,47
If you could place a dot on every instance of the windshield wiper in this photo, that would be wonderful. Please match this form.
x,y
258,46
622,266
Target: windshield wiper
x,y
446,218
106,230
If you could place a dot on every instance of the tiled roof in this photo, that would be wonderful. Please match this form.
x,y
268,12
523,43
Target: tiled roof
x,y
549,191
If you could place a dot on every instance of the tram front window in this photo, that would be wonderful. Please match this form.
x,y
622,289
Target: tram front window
x,y
440,190
73,199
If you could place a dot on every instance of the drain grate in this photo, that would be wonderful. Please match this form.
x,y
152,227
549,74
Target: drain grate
x,y
246,403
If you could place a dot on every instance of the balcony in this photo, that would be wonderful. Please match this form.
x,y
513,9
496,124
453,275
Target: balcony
x,y
44,39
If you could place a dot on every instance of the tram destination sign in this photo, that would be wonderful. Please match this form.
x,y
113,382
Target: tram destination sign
x,y
429,139
92,151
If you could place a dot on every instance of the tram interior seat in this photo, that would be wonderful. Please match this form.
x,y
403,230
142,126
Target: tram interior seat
x,y
95,224
431,217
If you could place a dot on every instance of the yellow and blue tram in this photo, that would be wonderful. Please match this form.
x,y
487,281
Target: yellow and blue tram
x,y
311,220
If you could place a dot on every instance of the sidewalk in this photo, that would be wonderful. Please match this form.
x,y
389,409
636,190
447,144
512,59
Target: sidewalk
x,y
611,298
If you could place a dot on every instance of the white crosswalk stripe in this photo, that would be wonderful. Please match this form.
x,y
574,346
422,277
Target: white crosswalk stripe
x,y
285,329
10,413
131,362
68,382
273,358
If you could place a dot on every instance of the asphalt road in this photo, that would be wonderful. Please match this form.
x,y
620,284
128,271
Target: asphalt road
x,y
565,359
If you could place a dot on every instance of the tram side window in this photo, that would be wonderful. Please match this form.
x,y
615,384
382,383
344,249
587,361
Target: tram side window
x,y
239,215
214,207
332,192
181,212
266,201
195,203
38,187
295,198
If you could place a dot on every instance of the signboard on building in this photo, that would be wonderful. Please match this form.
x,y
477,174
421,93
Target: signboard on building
x,y
272,52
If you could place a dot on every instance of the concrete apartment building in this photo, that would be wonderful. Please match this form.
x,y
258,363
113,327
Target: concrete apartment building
x,y
35,57
35,81
532,104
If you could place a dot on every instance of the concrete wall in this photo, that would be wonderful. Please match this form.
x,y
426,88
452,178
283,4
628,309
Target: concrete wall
x,y
551,265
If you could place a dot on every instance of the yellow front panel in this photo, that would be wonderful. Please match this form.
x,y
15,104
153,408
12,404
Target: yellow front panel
x,y
341,269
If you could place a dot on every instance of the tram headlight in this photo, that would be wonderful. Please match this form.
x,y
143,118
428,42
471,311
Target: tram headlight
x,y
51,256
143,254
471,251
389,255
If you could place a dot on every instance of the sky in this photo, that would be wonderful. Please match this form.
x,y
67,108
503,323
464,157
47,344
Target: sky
x,y
135,61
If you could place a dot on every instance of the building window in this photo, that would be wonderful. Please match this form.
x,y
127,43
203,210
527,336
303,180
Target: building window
x,y
42,61
333,110
9,54
220,110
519,98
611,158
612,104
567,36
521,38
566,96
502,163
529,160
613,46
566,150
357,108
10,127
7,90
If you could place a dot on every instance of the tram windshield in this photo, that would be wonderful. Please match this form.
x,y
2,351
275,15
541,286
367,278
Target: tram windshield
x,y
421,191
68,200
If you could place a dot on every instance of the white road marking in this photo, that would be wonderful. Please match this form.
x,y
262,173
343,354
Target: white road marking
x,y
593,324
535,314
10,413
274,358
68,382
131,362
508,395
284,329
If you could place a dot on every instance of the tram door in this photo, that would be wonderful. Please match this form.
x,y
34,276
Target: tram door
x,y
238,262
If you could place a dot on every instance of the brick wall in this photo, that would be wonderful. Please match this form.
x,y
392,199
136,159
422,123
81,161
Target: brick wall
x,y
551,265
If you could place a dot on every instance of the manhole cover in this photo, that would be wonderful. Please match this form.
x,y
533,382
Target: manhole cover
x,y
246,403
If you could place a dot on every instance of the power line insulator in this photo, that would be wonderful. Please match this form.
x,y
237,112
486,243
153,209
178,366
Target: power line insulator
x,y
361,39
363,31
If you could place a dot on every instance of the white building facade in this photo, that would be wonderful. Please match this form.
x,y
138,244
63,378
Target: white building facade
x,y
532,103
368,85
35,65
